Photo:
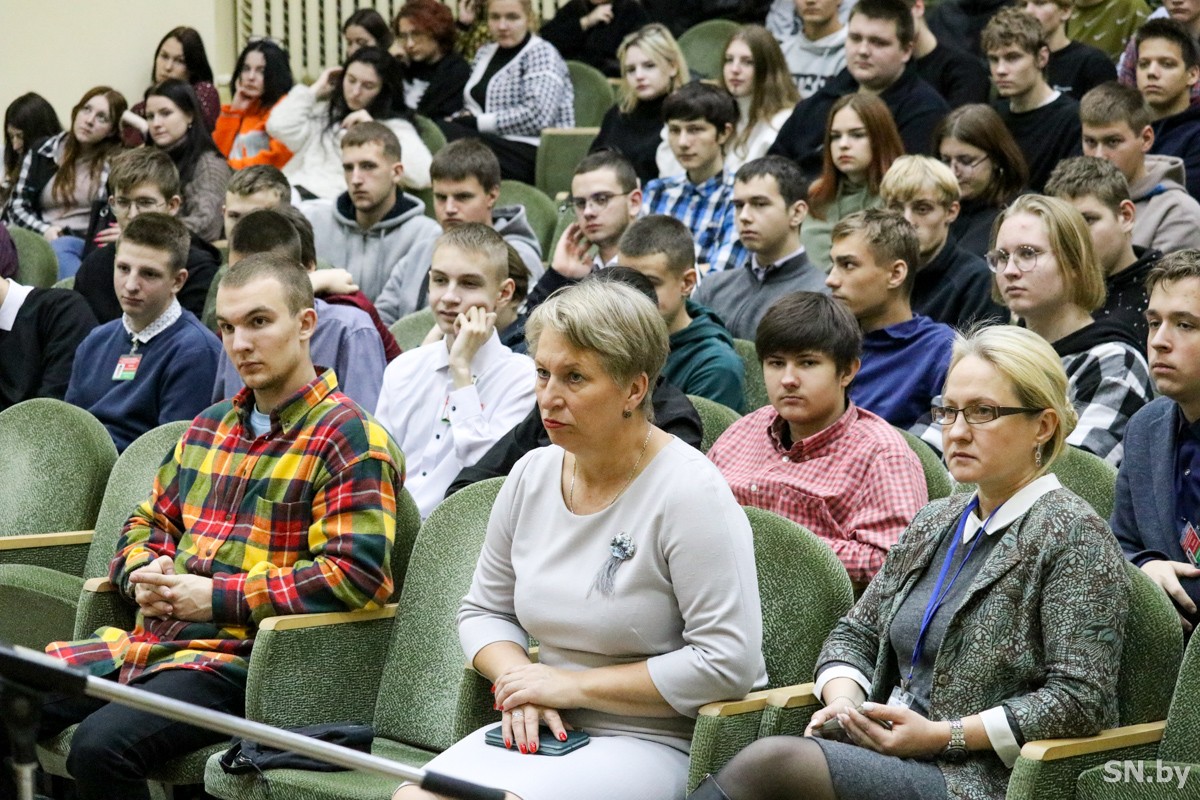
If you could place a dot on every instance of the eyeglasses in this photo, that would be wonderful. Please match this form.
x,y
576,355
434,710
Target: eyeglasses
x,y
977,414
963,163
600,200
143,204
1025,257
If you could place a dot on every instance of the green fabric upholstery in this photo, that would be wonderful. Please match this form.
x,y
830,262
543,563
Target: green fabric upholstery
x,y
714,419
559,150
36,263
804,591
430,133
426,700
65,283
411,329
937,479
1089,476
426,197
703,46
40,604
539,209
56,461
593,95
755,388
209,315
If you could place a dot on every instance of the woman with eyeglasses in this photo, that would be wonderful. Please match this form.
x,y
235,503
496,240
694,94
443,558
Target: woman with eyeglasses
x,y
63,180
1047,274
861,142
311,121
262,76
997,619
974,142
180,55
434,74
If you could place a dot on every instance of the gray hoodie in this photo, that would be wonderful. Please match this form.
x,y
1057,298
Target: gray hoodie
x,y
810,62
372,255
1168,218
405,292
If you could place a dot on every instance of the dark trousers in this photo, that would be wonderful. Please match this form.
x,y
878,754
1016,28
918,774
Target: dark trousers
x,y
115,747
518,160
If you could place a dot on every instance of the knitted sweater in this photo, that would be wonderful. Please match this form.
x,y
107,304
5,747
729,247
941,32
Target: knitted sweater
x,y
531,92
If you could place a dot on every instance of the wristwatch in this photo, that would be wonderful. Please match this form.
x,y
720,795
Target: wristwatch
x,y
956,750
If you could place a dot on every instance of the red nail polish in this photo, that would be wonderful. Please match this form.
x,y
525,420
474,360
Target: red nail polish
x,y
562,737
507,744
522,748
533,747
493,688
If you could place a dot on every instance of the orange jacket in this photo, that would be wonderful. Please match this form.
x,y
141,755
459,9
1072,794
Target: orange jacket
x,y
242,137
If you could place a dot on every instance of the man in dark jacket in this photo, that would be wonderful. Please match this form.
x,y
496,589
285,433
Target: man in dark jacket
x,y
1171,59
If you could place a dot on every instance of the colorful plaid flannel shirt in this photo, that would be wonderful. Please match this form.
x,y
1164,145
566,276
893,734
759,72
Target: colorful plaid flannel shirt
x,y
299,520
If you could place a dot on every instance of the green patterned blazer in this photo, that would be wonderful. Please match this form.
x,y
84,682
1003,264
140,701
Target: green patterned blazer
x,y
1039,632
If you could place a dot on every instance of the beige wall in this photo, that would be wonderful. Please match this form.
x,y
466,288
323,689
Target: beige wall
x,y
61,48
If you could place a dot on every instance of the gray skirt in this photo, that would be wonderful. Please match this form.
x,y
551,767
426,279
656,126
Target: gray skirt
x,y
862,774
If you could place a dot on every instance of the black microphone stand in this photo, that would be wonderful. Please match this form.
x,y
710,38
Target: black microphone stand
x,y
25,674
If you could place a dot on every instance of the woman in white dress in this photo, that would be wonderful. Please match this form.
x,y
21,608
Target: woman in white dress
x,y
624,553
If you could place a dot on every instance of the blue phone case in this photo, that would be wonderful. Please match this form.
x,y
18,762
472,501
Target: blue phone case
x,y
547,744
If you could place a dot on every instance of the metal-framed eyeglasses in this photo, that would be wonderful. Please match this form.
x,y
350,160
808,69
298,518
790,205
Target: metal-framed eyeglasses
x,y
963,163
143,204
1025,257
600,200
977,414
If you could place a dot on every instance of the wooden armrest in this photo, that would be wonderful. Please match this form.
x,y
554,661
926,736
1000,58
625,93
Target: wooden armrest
x,y
793,696
292,622
580,132
1111,739
99,586
755,701
31,540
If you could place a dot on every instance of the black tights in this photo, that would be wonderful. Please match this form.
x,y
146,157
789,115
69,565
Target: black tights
x,y
778,768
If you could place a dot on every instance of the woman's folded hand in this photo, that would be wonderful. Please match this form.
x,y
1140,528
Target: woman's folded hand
x,y
911,735
537,684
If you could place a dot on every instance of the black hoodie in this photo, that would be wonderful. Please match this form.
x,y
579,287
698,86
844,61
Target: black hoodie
x,y
1127,299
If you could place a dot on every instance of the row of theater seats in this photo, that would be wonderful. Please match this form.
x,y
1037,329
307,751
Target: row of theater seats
x,y
401,667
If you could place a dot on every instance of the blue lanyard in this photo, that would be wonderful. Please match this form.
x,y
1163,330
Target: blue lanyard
x,y
939,595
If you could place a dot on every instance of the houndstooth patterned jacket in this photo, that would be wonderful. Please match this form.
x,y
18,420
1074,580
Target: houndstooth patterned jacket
x,y
531,92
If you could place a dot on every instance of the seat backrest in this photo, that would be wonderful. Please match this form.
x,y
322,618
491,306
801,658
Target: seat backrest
x,y
426,197
408,525
36,263
937,479
703,46
411,329
54,462
755,387
1183,720
804,590
714,419
430,133
558,153
1151,655
424,667
129,483
539,209
1089,476
593,94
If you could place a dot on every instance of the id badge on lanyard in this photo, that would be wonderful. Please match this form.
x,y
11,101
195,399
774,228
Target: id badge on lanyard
x,y
127,365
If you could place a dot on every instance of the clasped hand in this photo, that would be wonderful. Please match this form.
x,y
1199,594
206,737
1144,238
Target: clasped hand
x,y
530,694
472,329
911,736
160,592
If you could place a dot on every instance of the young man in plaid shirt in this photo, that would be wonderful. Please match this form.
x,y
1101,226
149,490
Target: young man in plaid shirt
x,y
280,501
812,455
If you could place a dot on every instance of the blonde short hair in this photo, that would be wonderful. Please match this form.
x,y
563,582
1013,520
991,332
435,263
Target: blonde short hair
x,y
658,43
1070,242
909,176
617,323
1035,371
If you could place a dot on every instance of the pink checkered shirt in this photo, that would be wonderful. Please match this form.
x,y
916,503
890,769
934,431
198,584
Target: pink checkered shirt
x,y
855,484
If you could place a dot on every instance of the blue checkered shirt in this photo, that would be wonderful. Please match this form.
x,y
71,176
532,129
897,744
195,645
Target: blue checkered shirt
x,y
707,210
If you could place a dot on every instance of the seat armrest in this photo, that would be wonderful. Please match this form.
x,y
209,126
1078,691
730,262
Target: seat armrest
x,y
36,540
295,622
99,586
754,701
101,605
1110,739
793,696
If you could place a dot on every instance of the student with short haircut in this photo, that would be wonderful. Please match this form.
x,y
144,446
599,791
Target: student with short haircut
x,y
1043,121
769,204
813,455
1099,192
700,120
466,186
1074,67
253,189
141,180
879,48
951,285
958,76
1168,70
448,402
155,364
1157,503
367,229
1116,127
701,360
905,357
1187,14
345,340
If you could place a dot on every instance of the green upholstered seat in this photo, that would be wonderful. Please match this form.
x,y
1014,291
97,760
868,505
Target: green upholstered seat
x,y
539,209
411,329
703,46
714,419
937,479
558,153
36,263
425,700
1089,476
755,388
53,591
593,94
430,133
804,591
